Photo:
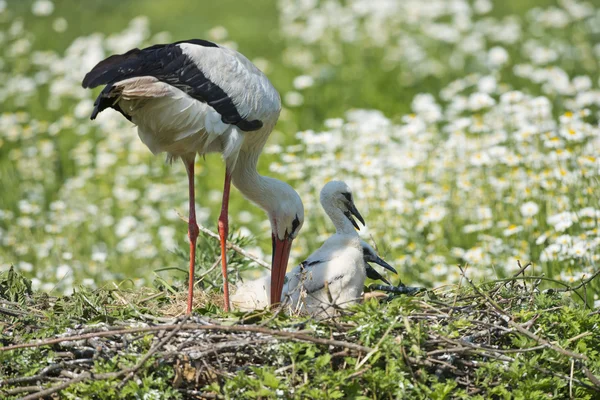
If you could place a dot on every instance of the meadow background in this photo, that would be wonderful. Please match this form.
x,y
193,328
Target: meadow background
x,y
467,129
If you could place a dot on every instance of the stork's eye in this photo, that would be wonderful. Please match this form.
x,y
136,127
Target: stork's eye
x,y
348,196
295,225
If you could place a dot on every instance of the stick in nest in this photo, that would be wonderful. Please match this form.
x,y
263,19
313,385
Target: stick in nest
x,y
224,328
231,245
153,350
518,327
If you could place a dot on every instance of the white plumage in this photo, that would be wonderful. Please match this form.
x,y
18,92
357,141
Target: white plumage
x,y
191,125
254,294
335,281
195,97
169,120
333,276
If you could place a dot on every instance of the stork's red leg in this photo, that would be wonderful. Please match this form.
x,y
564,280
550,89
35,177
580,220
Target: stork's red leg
x,y
223,231
192,228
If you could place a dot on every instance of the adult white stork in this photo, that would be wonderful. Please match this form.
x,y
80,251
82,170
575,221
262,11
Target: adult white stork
x,y
195,97
332,276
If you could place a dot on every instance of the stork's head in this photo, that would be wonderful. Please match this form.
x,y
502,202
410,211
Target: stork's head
x,y
337,195
370,255
286,214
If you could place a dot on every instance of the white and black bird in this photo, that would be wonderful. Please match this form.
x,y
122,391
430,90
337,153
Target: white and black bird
x,y
254,294
333,276
196,97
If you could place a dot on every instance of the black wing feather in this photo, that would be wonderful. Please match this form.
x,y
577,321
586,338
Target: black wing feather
x,y
108,98
168,64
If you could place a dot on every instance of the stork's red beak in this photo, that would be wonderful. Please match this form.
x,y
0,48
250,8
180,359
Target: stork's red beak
x,y
281,255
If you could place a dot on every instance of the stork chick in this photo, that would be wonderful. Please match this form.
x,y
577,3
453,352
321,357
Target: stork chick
x,y
334,275
254,294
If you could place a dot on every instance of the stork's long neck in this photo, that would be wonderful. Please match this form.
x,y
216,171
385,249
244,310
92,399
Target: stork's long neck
x,y
259,189
342,224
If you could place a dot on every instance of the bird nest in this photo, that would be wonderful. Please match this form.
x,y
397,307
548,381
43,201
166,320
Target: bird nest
x,y
503,337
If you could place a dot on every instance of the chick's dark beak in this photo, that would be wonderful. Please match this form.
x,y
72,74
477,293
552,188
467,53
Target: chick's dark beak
x,y
379,261
373,274
352,211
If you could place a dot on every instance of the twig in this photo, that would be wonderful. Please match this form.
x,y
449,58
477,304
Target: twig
x,y
591,376
543,278
518,327
585,296
218,347
211,269
449,350
223,328
151,297
526,350
12,313
583,283
152,350
580,336
519,272
169,320
45,371
565,377
23,389
203,395
80,378
358,373
571,379
232,246
522,269
376,348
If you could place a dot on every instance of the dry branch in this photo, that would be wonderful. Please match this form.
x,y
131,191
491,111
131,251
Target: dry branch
x,y
518,327
230,245
194,327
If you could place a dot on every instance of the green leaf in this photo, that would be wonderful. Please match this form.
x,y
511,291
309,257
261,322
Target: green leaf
x,y
270,380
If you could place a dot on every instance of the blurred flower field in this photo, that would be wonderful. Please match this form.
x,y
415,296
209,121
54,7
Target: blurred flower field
x,y
469,131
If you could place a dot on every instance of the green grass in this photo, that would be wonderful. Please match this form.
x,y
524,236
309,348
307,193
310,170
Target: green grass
x,y
458,343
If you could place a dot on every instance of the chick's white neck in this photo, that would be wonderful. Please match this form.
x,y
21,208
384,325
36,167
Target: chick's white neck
x,y
340,221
